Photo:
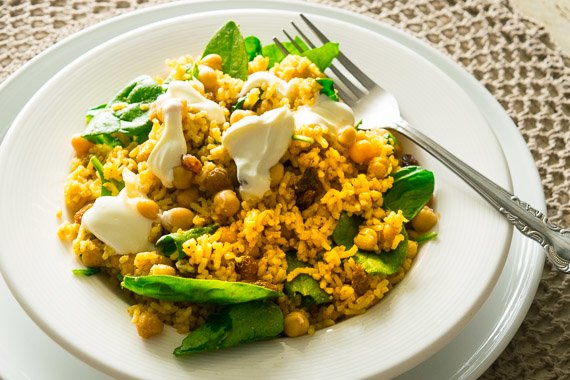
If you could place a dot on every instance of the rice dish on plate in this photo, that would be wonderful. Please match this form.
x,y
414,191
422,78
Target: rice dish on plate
x,y
236,198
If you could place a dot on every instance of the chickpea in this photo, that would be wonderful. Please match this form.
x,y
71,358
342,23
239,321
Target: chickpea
x,y
362,151
208,77
367,239
148,325
378,167
212,60
81,145
412,249
240,114
276,174
425,220
347,136
296,324
148,208
217,180
92,257
226,203
182,178
162,270
177,218
186,197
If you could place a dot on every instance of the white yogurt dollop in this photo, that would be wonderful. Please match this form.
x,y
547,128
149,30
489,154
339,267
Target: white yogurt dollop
x,y
256,143
171,146
183,90
258,78
169,149
327,112
116,221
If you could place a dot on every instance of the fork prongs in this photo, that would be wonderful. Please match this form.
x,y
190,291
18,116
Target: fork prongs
x,y
350,66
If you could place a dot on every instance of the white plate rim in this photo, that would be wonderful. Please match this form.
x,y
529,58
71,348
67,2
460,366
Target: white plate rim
x,y
251,3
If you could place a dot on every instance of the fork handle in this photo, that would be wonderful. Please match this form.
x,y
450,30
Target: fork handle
x,y
531,222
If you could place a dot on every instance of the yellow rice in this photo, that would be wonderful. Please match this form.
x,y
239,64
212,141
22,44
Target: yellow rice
x,y
265,230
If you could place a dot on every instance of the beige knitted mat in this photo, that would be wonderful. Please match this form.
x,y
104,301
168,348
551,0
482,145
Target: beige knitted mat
x,y
512,56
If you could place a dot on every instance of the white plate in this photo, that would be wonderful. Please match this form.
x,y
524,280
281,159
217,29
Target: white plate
x,y
449,282
477,360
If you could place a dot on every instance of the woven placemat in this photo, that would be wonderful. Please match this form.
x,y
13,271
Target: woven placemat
x,y
512,56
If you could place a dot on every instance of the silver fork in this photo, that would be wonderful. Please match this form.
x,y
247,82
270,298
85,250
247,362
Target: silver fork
x,y
370,101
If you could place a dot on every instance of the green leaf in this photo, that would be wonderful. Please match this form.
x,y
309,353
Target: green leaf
x,y
275,54
142,89
93,111
86,272
412,188
426,237
346,230
328,88
304,285
104,124
101,173
373,263
252,47
385,263
391,139
323,55
234,325
239,104
229,44
302,138
167,244
181,289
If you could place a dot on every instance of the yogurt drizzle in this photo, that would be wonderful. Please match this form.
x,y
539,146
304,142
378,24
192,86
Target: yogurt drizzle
x,y
172,145
116,221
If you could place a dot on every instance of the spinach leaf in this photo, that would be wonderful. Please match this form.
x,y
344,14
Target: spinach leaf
x,y
412,189
142,89
252,47
328,88
86,272
426,237
229,44
93,111
105,122
372,262
304,285
391,138
346,230
167,244
234,325
105,191
239,104
275,54
323,55
181,289
384,262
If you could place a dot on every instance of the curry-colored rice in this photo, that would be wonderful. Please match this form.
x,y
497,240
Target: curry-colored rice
x,y
264,230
